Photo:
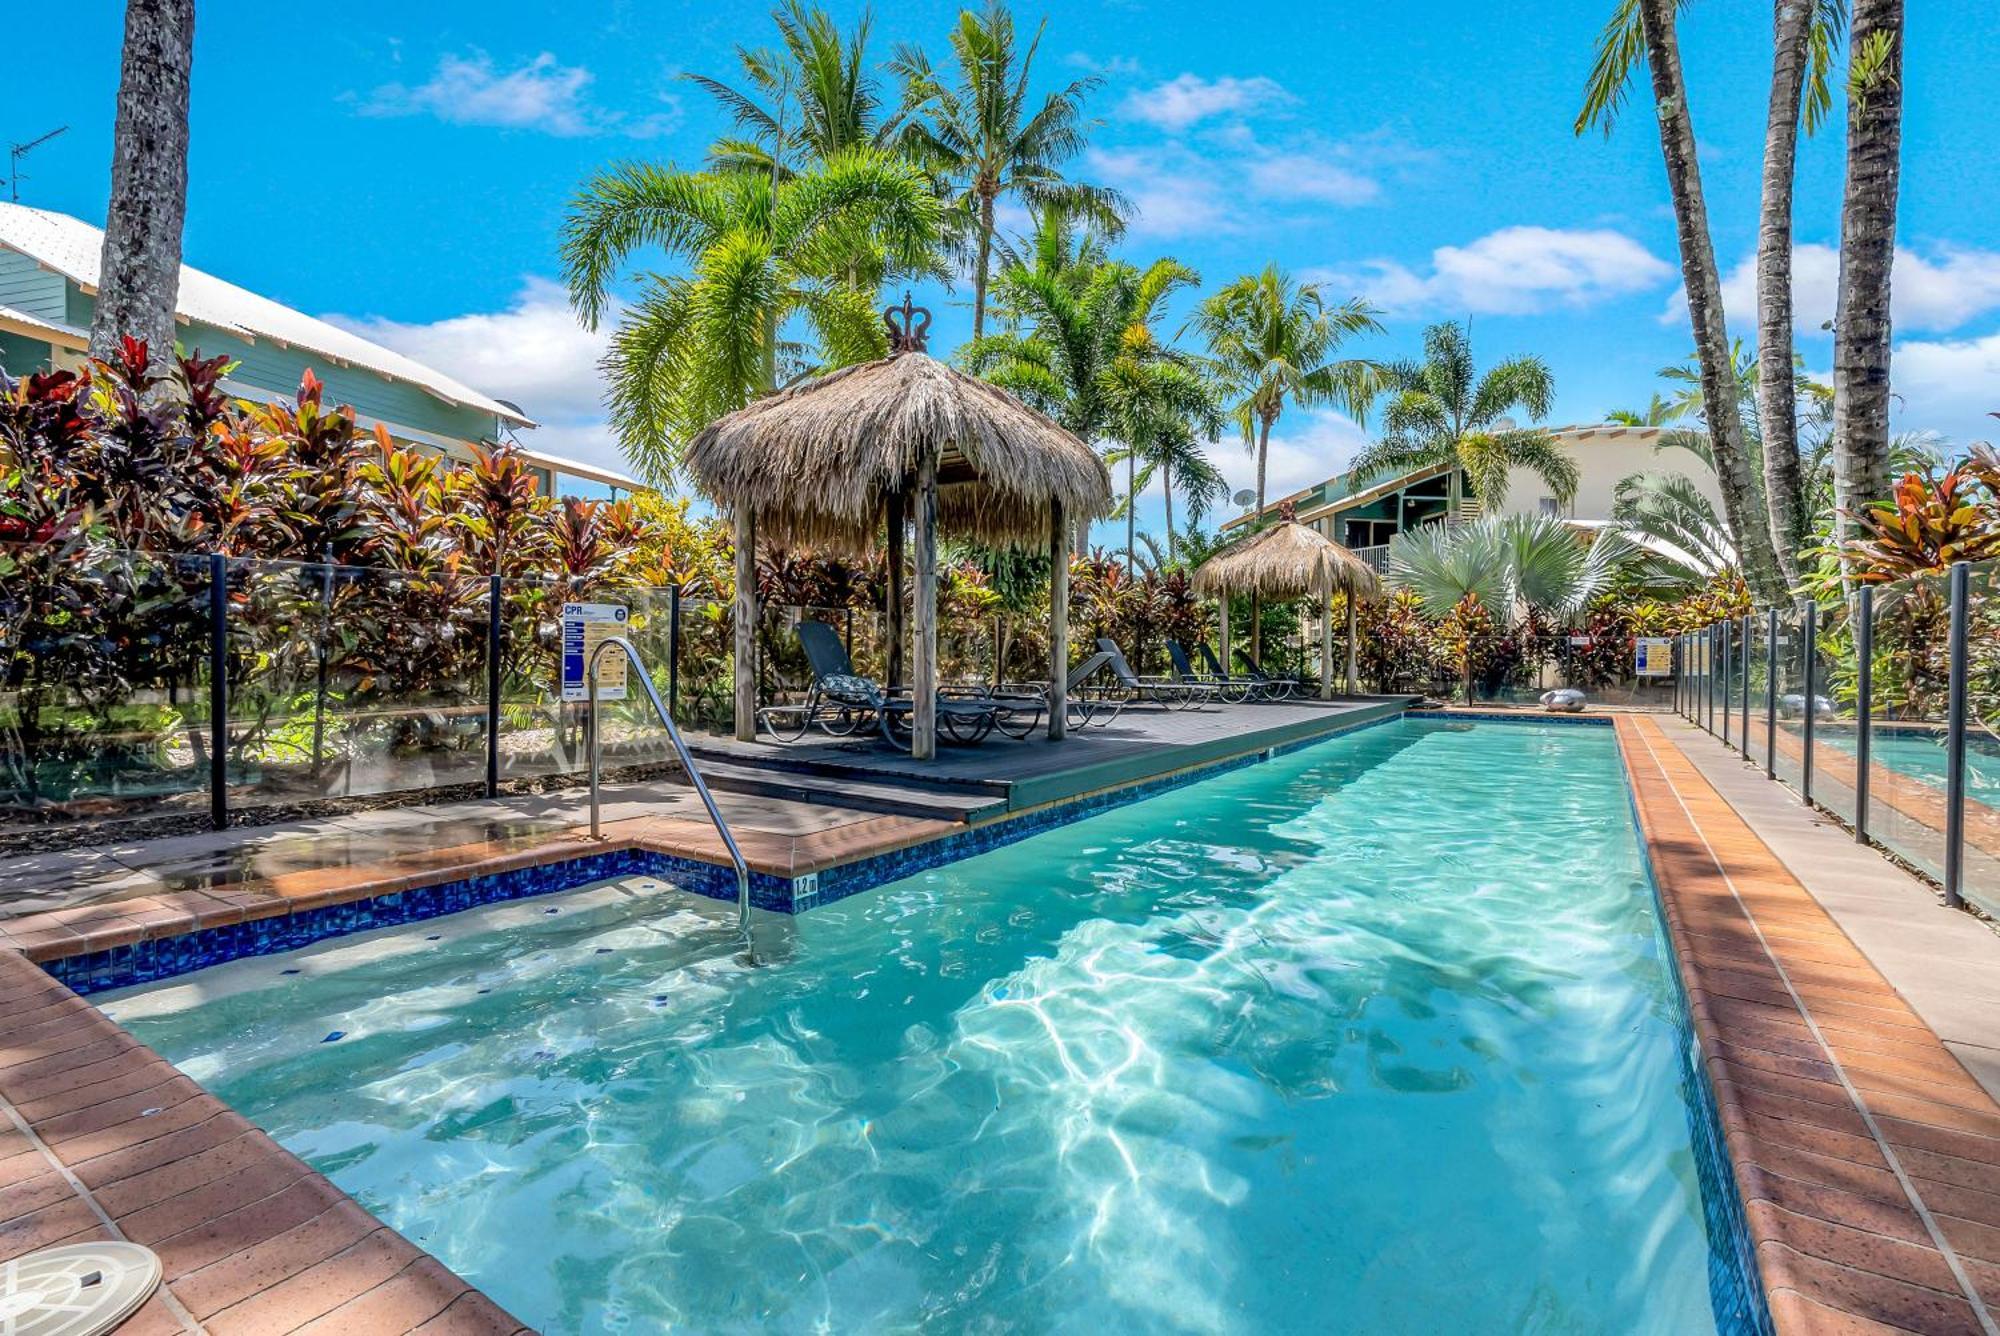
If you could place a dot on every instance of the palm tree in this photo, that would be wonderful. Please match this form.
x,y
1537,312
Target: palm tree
x,y
1867,251
1444,414
1805,33
808,102
1665,514
1647,28
1081,345
982,137
1502,566
139,271
1160,407
757,254
1271,342
1175,454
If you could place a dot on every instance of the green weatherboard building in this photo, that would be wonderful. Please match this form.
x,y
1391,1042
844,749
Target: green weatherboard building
x,y
48,287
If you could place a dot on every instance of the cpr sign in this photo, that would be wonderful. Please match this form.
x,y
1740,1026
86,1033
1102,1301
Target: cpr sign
x,y
1653,656
585,626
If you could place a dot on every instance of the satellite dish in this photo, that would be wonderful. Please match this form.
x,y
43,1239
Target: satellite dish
x,y
1505,424
1245,497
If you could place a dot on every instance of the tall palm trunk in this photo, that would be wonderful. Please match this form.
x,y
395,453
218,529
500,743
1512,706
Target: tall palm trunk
x,y
1266,420
1167,491
985,261
1740,502
139,273
1861,328
1777,406
1132,509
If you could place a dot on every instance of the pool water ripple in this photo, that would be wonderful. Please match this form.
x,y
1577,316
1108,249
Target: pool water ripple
x,y
1375,1036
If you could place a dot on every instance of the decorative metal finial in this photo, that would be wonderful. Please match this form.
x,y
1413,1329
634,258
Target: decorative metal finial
x,y
1288,512
909,326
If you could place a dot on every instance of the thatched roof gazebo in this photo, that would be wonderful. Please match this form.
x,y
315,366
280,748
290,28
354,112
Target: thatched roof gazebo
x,y
903,441
1289,560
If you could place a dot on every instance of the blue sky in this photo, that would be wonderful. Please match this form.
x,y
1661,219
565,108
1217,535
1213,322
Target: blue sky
x,y
407,167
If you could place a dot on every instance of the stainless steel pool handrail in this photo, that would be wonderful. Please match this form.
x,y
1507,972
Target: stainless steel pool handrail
x,y
687,763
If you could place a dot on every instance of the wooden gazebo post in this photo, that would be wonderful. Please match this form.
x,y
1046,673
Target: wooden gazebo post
x,y
1058,622
1353,677
1326,640
895,632
1222,636
924,680
746,624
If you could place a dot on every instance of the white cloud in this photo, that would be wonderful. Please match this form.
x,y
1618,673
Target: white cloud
x,y
1173,193
542,94
1181,191
1305,449
1110,66
1936,293
1188,99
1512,271
1950,386
1310,177
533,354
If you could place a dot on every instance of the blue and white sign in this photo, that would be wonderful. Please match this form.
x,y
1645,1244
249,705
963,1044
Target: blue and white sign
x,y
1653,656
585,626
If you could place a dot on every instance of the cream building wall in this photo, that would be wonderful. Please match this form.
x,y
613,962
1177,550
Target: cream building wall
x,y
1604,455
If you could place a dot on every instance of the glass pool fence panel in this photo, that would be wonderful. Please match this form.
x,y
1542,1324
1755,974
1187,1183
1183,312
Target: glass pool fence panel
x,y
1979,882
1833,737
1754,634
1788,758
104,707
1907,729
350,681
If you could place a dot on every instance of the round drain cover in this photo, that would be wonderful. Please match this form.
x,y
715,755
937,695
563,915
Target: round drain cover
x,y
78,1289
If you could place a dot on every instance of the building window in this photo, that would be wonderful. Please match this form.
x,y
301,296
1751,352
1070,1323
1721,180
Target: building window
x,y
1551,507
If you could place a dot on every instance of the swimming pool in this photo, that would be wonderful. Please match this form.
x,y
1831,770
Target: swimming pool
x,y
1380,1035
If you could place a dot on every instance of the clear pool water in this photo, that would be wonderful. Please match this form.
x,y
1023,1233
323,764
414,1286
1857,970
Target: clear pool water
x,y
1921,756
1378,1036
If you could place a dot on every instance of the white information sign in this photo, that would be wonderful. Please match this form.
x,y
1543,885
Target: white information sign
x,y
584,627
1653,656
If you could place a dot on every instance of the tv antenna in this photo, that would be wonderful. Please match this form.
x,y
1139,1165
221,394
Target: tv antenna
x,y
17,152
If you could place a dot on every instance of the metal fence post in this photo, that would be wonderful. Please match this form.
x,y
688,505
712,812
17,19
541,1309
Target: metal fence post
x,y
1771,694
1811,652
1744,730
1954,791
1722,631
673,650
493,620
1708,695
1864,706
218,690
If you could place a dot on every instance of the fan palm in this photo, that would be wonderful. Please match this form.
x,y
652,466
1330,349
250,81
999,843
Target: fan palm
x,y
1504,566
1444,414
758,253
983,137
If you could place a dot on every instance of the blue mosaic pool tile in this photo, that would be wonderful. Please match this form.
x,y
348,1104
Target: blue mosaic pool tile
x,y
166,957
1523,717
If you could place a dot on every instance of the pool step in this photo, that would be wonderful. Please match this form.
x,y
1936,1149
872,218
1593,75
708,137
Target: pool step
x,y
864,768
890,798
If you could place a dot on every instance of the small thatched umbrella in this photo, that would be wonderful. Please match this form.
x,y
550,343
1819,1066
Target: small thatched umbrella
x,y
829,460
1288,560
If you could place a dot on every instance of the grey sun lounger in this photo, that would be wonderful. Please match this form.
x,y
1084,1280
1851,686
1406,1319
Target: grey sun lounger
x,y
841,701
1232,689
1274,688
1163,691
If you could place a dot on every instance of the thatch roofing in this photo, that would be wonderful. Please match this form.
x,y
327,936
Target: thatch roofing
x,y
817,462
1287,560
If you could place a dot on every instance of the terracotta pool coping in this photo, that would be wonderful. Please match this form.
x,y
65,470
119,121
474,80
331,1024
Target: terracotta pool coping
x,y
1867,1157
101,1138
